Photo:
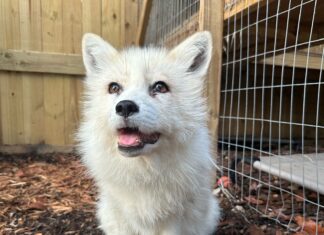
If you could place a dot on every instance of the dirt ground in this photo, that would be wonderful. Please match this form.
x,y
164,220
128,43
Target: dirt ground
x,y
52,194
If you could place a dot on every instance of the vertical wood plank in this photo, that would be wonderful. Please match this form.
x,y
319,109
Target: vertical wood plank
x,y
72,33
11,83
53,84
33,106
91,16
211,19
130,9
2,73
122,23
143,22
111,19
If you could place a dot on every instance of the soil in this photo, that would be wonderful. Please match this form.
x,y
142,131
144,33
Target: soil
x,y
52,194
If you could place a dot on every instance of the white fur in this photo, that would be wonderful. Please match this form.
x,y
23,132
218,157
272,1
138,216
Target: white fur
x,y
166,188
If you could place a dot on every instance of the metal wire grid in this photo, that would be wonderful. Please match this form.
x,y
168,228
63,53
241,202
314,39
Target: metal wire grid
x,y
167,18
257,118
269,110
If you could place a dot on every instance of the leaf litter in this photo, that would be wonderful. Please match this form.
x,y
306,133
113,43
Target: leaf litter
x,y
52,194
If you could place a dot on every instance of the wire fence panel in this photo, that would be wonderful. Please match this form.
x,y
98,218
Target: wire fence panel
x,y
271,136
271,124
172,21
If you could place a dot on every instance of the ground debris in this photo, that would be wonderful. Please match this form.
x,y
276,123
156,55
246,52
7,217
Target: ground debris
x,y
49,194
52,194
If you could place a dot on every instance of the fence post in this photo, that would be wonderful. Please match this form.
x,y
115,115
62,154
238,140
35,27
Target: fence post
x,y
211,17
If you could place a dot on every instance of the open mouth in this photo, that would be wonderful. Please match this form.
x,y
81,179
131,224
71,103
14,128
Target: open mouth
x,y
130,139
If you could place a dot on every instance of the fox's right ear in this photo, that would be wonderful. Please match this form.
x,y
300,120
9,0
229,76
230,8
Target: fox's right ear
x,y
194,53
96,53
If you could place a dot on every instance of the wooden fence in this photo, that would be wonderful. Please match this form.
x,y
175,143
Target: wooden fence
x,y
40,63
41,67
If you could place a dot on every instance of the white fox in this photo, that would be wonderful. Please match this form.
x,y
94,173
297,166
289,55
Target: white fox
x,y
144,137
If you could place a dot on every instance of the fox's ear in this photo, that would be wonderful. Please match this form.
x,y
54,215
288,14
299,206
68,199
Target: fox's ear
x,y
96,53
194,53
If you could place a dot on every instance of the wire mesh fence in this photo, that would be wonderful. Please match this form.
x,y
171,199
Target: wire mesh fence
x,y
271,120
171,21
271,124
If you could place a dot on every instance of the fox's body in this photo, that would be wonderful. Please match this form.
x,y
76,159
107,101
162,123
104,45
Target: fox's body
x,y
144,138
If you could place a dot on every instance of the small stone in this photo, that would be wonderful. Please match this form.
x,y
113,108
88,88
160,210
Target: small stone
x,y
217,191
239,209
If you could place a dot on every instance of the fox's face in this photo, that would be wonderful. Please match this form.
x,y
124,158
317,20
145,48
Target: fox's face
x,y
146,98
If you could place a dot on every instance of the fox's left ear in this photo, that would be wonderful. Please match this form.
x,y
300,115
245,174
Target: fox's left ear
x,y
96,53
194,53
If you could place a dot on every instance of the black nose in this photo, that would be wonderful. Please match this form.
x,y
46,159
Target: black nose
x,y
126,108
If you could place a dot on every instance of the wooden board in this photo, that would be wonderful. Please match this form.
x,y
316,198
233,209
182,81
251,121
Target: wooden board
x,y
211,19
72,32
235,8
33,106
91,16
35,149
11,84
41,62
111,22
52,41
41,67
130,14
306,170
300,59
279,36
143,22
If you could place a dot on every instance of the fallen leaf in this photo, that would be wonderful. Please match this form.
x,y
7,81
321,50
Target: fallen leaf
x,y
37,206
309,225
20,173
60,209
7,197
225,181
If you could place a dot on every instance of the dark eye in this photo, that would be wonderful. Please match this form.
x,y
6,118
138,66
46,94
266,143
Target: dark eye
x,y
160,87
114,88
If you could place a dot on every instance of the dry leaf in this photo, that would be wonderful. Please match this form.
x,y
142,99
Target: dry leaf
x,y
20,173
225,181
37,206
309,225
60,209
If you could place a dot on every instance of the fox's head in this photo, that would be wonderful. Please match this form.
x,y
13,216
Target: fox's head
x,y
145,98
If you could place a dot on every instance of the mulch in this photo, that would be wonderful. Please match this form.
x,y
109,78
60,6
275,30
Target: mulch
x,y
52,194
49,194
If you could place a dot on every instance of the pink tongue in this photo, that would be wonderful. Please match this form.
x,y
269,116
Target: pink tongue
x,y
128,139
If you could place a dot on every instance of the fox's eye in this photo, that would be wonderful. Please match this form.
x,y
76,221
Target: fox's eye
x,y
160,87
114,88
